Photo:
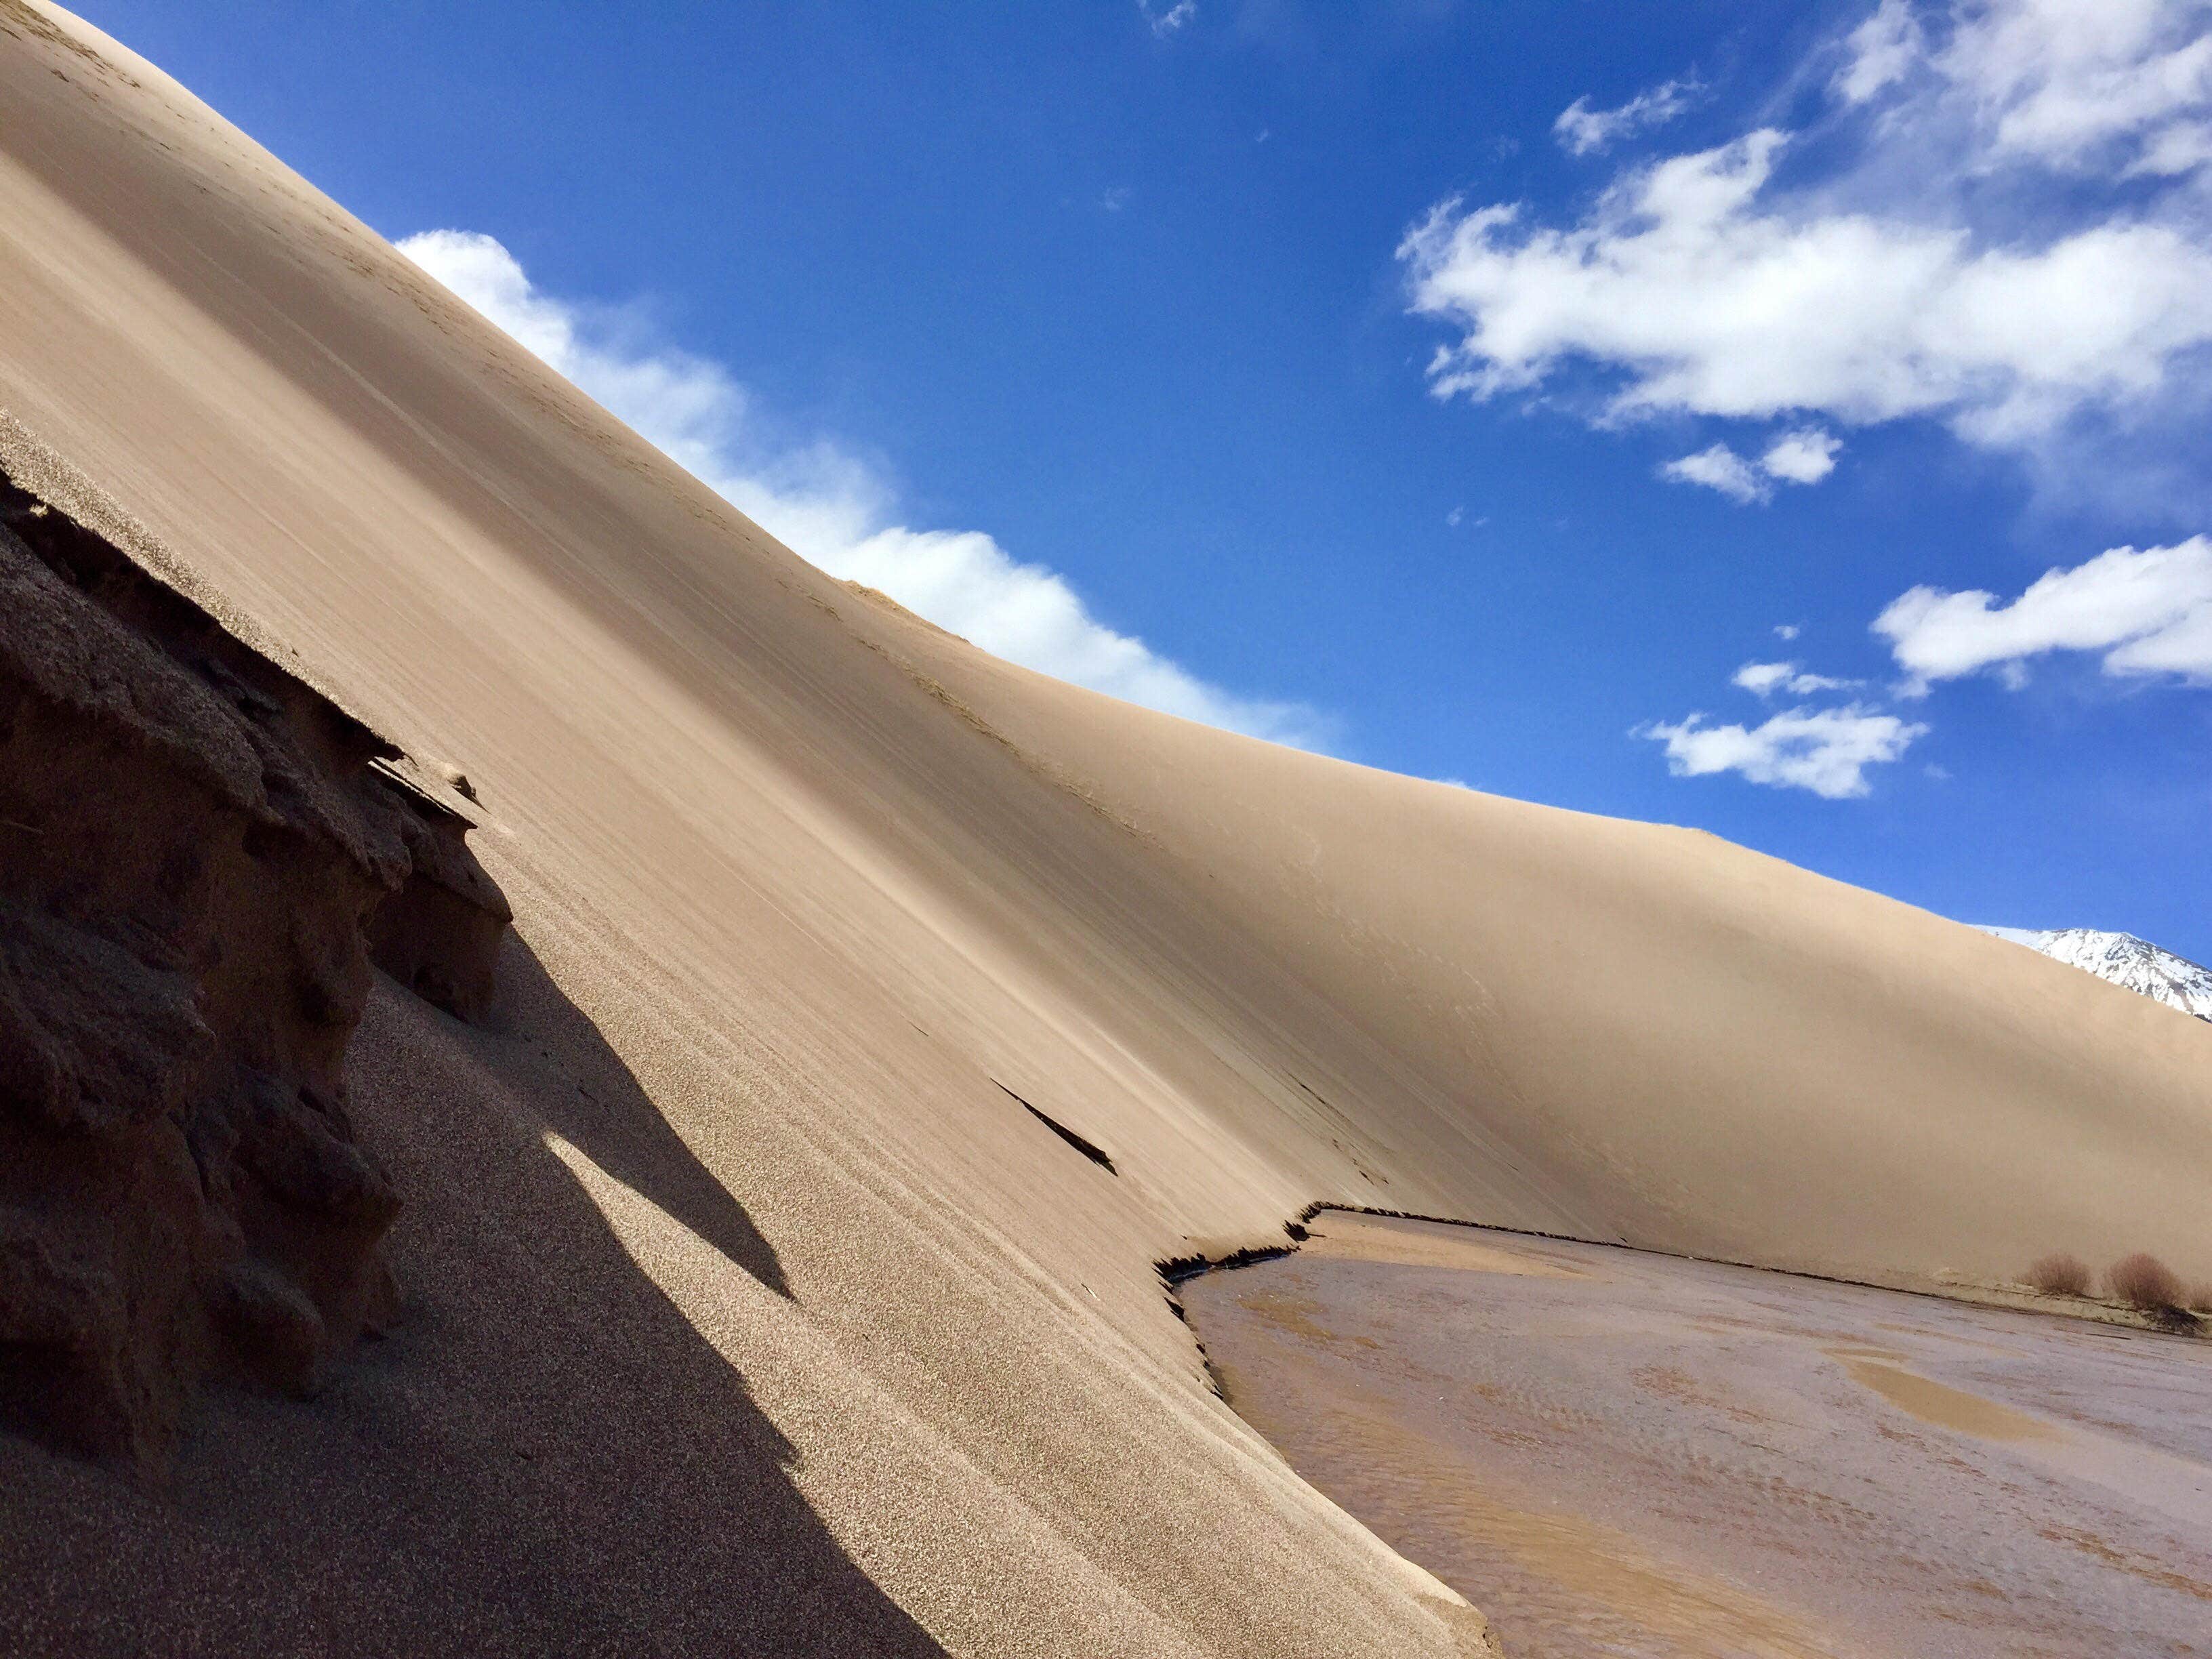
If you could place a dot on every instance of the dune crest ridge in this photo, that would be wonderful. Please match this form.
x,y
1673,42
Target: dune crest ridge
x,y
759,1296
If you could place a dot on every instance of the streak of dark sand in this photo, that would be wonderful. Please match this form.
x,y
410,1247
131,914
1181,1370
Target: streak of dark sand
x,y
1618,1453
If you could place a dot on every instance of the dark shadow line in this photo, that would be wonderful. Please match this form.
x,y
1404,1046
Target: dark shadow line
x,y
1096,1154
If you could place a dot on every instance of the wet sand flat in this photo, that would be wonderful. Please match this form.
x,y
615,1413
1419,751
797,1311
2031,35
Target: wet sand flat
x,y
1620,1453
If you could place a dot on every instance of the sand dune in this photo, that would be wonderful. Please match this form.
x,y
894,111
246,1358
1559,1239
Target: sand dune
x,y
746,1309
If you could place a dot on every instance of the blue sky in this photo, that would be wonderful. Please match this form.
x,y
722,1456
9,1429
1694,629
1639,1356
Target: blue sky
x,y
1667,409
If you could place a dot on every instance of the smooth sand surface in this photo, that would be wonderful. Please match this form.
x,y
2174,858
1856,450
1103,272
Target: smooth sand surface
x,y
1621,1453
746,1309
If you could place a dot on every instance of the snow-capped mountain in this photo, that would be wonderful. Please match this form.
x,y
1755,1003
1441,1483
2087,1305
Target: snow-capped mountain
x,y
2126,960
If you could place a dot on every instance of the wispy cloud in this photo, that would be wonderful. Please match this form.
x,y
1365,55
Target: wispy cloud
x,y
1764,679
2096,87
828,506
1880,51
1583,131
1797,458
1719,468
1166,20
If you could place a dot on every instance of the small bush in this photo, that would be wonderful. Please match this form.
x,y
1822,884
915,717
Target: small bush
x,y
2200,1296
2060,1275
2143,1281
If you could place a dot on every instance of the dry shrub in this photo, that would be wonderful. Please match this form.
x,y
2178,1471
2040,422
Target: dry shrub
x,y
2060,1275
2143,1281
2200,1296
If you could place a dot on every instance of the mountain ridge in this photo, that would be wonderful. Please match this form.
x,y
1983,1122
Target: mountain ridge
x,y
2126,960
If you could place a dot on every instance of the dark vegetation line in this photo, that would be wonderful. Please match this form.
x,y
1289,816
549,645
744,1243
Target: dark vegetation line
x,y
1177,1268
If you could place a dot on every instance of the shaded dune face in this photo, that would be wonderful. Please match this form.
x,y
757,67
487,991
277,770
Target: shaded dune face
x,y
456,1486
778,1232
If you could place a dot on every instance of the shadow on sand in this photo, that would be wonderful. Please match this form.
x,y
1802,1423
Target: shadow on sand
x,y
545,1458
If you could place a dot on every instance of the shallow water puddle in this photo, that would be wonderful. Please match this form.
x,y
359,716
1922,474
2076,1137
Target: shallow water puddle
x,y
1945,1408
1617,1453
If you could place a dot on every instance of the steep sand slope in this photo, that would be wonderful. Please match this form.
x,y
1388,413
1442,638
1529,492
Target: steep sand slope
x,y
1685,1045
746,1308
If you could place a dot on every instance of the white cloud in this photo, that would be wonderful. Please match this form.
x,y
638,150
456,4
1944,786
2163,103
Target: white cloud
x,y
1765,678
1581,129
2087,84
1803,458
1762,678
1826,751
1902,285
1719,468
1799,458
1882,51
1786,630
2149,613
1166,20
831,508
1708,302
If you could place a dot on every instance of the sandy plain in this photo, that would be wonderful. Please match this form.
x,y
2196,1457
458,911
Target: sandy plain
x,y
1618,1453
